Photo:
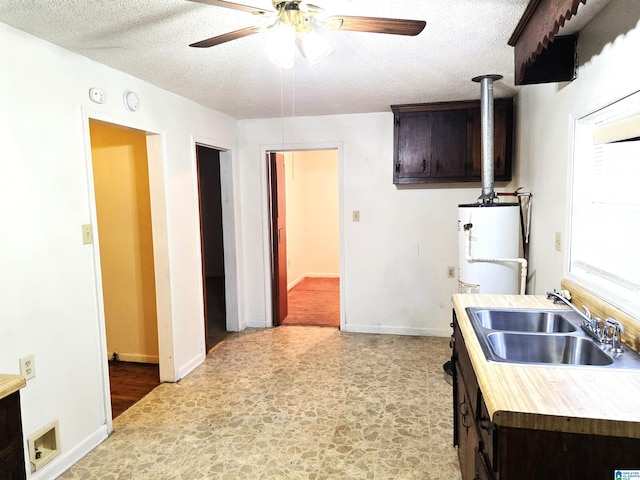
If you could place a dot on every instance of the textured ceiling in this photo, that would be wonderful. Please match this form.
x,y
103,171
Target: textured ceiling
x,y
366,73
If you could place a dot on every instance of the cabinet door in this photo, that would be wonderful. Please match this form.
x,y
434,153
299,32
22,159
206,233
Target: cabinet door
x,y
449,144
466,431
483,472
488,437
502,138
11,446
413,143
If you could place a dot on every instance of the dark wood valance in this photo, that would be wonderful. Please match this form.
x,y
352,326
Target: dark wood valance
x,y
537,28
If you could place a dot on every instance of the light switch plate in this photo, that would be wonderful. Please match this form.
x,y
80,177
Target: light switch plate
x,y
87,234
559,241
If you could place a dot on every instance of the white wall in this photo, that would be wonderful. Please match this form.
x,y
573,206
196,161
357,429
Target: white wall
x,y
394,277
609,70
48,294
313,234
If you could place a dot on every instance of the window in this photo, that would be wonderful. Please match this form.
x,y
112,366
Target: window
x,y
605,211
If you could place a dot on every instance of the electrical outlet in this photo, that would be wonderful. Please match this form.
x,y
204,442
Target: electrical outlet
x,y
559,241
451,272
356,215
28,367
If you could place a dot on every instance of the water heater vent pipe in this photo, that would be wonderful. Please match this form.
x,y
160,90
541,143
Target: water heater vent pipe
x,y
486,111
469,258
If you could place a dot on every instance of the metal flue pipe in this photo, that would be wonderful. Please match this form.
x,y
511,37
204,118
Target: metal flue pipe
x,y
486,111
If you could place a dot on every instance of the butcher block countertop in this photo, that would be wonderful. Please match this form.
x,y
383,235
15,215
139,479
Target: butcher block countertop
x,y
10,384
576,399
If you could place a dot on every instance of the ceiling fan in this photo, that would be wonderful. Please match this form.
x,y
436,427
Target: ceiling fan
x,y
296,20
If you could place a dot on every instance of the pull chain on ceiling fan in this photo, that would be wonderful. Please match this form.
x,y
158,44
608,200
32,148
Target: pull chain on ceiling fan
x,y
292,25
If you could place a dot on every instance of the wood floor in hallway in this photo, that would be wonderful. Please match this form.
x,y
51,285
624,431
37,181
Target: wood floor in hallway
x,y
315,302
130,382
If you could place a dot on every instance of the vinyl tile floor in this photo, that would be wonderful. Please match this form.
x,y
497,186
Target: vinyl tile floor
x,y
292,403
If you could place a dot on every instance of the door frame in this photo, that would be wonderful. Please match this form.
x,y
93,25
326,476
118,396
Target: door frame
x,y
156,152
229,237
232,307
266,222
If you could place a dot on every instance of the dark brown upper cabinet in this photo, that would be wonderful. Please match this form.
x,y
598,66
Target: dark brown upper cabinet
x,y
540,55
441,142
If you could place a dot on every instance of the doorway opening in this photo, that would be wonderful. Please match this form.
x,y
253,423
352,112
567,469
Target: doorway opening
x,y
212,241
120,169
305,237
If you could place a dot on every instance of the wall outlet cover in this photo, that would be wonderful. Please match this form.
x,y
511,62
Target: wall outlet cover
x,y
28,367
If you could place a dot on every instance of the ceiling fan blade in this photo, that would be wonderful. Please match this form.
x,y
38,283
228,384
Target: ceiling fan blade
x,y
234,6
393,26
227,37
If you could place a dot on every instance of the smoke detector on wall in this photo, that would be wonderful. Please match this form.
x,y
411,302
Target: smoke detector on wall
x,y
131,101
97,95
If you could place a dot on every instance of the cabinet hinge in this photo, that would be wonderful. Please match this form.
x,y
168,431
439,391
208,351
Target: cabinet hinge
x,y
397,122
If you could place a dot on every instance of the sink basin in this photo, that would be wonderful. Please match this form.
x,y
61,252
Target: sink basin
x,y
542,337
538,321
550,349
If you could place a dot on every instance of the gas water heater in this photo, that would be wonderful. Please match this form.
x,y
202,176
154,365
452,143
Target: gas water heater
x,y
486,234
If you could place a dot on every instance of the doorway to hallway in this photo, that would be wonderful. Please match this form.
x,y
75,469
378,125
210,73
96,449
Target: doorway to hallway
x,y
305,237
314,301
120,170
211,234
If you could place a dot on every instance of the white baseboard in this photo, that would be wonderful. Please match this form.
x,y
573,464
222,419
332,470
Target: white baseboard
x,y
311,275
386,330
256,323
66,460
295,282
190,366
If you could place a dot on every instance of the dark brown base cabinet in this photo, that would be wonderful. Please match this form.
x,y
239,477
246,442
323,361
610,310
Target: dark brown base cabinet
x,y
11,448
442,142
492,452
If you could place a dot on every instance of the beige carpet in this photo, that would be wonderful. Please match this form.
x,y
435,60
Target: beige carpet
x,y
292,403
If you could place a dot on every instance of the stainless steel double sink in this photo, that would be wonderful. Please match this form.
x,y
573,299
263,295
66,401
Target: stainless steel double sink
x,y
542,337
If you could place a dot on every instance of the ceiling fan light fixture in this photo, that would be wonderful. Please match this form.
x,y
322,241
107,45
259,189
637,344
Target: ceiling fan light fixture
x,y
313,47
292,24
281,45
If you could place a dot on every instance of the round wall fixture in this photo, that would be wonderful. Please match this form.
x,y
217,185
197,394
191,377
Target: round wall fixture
x,y
131,101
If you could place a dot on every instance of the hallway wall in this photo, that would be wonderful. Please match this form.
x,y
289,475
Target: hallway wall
x,y
50,303
313,236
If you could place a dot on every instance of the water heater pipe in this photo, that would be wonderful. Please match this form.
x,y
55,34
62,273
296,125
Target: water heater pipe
x,y
486,124
469,258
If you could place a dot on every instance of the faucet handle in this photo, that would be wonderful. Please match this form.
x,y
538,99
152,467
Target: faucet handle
x,y
587,312
595,327
612,332
562,296
613,323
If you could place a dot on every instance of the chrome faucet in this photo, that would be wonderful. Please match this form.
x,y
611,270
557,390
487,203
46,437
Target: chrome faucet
x,y
589,324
